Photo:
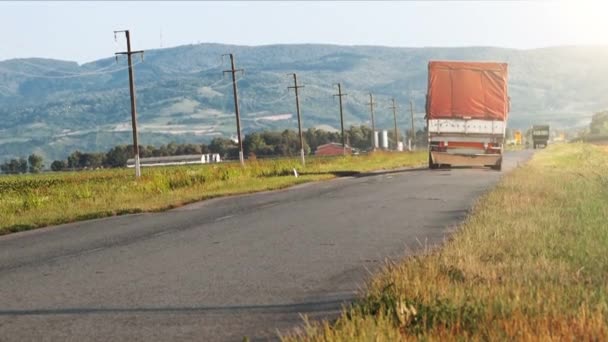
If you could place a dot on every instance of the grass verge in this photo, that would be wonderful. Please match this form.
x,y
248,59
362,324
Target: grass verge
x,y
530,263
32,201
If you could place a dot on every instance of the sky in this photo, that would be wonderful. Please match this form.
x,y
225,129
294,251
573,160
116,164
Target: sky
x,y
83,31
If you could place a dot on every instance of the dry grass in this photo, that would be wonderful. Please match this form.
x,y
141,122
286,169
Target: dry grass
x,y
31,201
529,264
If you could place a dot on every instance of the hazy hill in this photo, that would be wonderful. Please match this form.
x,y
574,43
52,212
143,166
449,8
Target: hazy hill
x,y
53,107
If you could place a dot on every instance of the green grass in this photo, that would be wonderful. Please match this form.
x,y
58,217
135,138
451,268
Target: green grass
x,y
530,263
32,201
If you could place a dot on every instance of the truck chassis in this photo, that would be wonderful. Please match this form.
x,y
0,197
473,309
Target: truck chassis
x,y
465,142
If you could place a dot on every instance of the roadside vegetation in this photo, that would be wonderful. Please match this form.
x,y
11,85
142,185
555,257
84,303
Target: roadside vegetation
x,y
265,144
530,263
31,201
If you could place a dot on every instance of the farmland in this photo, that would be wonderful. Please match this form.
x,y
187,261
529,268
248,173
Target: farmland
x,y
32,201
528,264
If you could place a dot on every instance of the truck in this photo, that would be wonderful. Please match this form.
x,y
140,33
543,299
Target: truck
x,y
467,106
518,137
540,135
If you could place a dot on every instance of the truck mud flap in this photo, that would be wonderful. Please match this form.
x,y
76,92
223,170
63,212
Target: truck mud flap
x,y
466,159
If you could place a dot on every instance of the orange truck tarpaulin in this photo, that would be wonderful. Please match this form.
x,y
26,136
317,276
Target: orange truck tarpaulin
x,y
476,90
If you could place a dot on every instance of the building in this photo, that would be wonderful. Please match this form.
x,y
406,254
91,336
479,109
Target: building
x,y
177,160
332,149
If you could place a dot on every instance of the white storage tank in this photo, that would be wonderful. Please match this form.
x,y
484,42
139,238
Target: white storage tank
x,y
384,140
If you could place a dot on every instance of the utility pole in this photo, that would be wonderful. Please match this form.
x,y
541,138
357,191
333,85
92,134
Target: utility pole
x,y
129,53
295,88
371,110
233,71
339,95
394,108
412,128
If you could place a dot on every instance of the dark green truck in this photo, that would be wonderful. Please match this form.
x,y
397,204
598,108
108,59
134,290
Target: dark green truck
x,y
540,136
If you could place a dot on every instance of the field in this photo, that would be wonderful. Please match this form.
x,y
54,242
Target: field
x,y
530,263
31,201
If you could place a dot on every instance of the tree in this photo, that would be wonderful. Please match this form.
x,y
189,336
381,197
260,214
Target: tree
x,y
9,166
59,165
172,148
35,163
74,160
14,166
421,138
360,137
22,165
148,151
289,145
256,144
117,156
392,139
316,137
225,147
91,160
185,149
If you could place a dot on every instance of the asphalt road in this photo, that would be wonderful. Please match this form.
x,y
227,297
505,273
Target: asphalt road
x,y
224,269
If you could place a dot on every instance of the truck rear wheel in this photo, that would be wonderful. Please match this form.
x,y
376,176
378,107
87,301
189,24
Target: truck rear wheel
x,y
497,167
432,165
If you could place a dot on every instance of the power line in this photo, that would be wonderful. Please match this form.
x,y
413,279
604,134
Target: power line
x,y
100,71
110,66
275,101
214,85
214,67
93,73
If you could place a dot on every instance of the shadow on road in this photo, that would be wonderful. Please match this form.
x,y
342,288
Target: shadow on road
x,y
358,174
306,307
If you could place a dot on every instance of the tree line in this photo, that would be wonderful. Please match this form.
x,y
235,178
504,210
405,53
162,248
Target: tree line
x,y
257,144
33,164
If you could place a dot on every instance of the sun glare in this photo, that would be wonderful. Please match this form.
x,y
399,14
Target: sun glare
x,y
585,21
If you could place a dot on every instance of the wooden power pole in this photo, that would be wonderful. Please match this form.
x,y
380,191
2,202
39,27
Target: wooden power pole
x,y
129,54
412,128
295,88
233,71
371,110
340,95
394,108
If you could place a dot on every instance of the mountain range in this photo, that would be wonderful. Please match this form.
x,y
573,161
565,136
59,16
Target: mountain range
x,y
53,107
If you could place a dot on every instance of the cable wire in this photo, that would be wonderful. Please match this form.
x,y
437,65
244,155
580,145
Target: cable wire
x,y
85,74
64,72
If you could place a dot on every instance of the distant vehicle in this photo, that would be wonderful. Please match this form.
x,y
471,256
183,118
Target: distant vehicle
x,y
466,111
540,135
518,137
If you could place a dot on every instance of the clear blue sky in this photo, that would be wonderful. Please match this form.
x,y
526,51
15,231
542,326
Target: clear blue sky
x,y
82,31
